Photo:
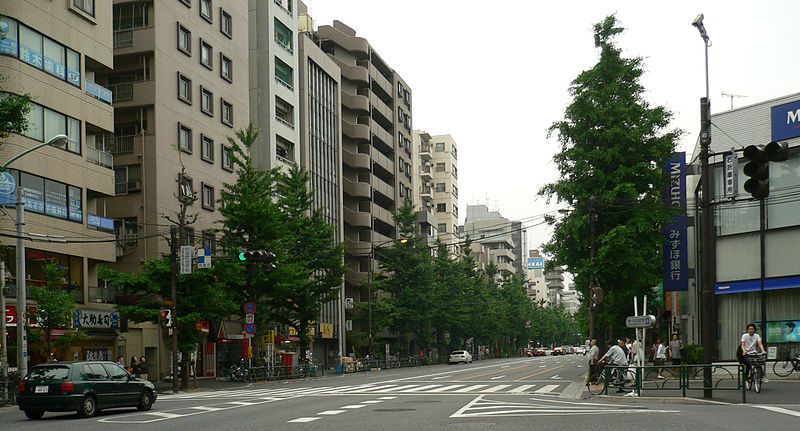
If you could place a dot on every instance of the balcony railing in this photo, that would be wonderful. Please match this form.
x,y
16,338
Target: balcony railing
x,y
284,122
99,92
100,157
102,295
127,187
121,144
123,39
284,160
121,92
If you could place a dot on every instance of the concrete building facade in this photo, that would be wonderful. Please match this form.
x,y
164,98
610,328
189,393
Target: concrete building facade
x,y
274,77
536,287
494,231
555,285
180,86
376,152
54,51
436,182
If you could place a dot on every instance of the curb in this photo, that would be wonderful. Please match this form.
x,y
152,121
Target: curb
x,y
661,400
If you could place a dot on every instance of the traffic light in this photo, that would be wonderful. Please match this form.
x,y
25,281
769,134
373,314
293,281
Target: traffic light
x,y
757,169
259,256
166,318
596,298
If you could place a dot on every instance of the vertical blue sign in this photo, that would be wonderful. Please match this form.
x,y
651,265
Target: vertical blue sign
x,y
675,255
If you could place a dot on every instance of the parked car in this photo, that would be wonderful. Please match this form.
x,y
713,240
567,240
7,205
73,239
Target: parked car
x,y
539,352
460,356
557,351
85,387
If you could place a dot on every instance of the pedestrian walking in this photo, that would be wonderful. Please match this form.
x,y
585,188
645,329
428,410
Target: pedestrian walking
x,y
142,373
636,351
660,356
134,367
675,347
121,361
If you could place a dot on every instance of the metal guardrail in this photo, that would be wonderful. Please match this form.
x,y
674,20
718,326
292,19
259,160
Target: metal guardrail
x,y
100,157
121,144
123,38
121,92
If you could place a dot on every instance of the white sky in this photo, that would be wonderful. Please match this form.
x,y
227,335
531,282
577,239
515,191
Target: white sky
x,y
495,74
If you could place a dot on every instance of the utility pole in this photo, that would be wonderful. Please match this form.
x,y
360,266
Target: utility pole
x,y
173,254
762,239
4,353
22,294
592,281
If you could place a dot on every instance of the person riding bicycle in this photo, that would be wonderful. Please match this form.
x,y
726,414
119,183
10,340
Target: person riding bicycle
x,y
615,356
751,343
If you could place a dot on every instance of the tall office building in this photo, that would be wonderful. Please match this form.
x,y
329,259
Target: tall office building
x,y
555,285
52,51
321,156
436,182
494,231
536,287
376,151
274,93
180,89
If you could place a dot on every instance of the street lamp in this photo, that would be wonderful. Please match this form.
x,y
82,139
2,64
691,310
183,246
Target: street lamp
x,y
22,341
373,248
707,222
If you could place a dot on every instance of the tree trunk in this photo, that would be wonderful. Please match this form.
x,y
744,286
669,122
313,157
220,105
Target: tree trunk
x,y
184,370
303,333
47,333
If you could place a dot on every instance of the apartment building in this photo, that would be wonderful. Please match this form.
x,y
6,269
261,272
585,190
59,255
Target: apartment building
x,y
494,231
53,52
570,299
555,285
180,89
321,155
436,182
273,70
536,285
376,152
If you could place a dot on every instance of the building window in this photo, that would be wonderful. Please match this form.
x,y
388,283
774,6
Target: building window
x,y
226,24
227,158
454,152
440,147
225,67
39,51
207,153
184,138
283,36
206,101
186,189
44,123
188,3
455,191
205,10
210,241
440,187
227,113
455,171
442,228
208,197
184,40
440,167
206,55
86,6
30,43
441,208
184,89
283,74
127,179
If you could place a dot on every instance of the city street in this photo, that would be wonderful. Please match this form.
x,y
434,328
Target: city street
x,y
495,394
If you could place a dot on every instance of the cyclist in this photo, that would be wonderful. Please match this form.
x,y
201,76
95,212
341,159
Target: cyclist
x,y
751,343
615,356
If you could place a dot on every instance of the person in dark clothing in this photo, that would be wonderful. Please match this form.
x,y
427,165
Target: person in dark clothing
x,y
624,348
142,368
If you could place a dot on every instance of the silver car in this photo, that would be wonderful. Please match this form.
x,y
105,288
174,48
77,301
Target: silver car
x,y
460,356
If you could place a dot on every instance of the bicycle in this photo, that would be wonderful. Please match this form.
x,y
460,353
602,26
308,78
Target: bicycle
x,y
787,367
618,376
755,375
241,373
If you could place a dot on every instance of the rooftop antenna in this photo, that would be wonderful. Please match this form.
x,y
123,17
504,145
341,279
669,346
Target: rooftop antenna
x,y
732,96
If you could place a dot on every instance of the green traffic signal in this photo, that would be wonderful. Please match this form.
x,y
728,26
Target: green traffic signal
x,y
242,257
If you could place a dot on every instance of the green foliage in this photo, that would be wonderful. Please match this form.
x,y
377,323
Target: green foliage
x,y
613,147
72,339
13,113
693,354
55,306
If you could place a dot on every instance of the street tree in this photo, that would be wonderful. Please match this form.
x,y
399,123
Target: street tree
x,y
55,305
613,145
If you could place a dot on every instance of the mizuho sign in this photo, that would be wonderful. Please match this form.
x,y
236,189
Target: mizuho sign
x,y
786,121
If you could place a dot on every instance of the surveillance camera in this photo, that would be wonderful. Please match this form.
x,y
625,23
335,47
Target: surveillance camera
x,y
698,21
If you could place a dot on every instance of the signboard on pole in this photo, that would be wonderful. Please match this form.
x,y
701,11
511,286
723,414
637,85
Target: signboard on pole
x,y
731,174
8,185
187,252
204,257
640,321
249,318
250,328
675,253
535,263
249,307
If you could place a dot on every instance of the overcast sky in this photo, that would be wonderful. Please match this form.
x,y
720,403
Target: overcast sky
x,y
495,74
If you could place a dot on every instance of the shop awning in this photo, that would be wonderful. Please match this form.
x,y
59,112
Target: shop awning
x,y
230,330
291,339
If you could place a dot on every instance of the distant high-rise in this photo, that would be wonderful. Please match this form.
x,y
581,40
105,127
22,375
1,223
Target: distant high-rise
x,y
496,233
536,283
436,184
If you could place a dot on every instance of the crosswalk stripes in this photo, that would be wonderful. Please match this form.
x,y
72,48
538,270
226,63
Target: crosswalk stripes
x,y
484,407
255,395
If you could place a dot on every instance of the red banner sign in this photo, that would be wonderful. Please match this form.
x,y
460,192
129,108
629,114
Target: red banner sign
x,y
11,316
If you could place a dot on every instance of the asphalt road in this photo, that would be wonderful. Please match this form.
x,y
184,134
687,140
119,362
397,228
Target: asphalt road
x,y
509,394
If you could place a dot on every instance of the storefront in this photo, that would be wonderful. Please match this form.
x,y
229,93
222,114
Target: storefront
x,y
102,326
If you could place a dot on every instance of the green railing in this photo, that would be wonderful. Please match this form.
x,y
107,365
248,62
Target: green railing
x,y
683,378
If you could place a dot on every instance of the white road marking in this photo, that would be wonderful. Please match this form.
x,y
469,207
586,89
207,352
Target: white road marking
x,y
556,377
497,377
354,406
440,377
164,415
779,410
371,402
519,389
421,388
546,389
331,412
495,388
481,407
303,420
445,388
387,398
470,388
207,408
396,388
505,366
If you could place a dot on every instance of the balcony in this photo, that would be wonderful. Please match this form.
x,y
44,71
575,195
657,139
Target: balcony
x,y
383,187
355,131
123,188
356,189
284,83
426,193
383,214
102,295
359,248
356,160
427,217
286,5
135,40
100,157
356,102
121,144
357,74
425,152
383,161
356,45
357,218
99,92
426,173
284,121
379,105
382,134
356,278
381,80
129,94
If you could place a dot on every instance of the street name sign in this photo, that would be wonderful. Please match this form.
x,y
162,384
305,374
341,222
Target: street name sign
x,y
640,321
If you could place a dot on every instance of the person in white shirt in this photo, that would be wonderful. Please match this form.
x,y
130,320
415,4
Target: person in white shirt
x,y
660,355
751,343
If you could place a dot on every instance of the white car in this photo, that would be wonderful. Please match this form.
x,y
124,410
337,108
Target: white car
x,y
460,356
580,350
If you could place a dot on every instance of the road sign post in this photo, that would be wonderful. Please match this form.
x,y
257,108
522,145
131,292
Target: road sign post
x,y
640,321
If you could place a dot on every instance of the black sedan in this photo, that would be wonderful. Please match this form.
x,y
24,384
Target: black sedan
x,y
84,387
